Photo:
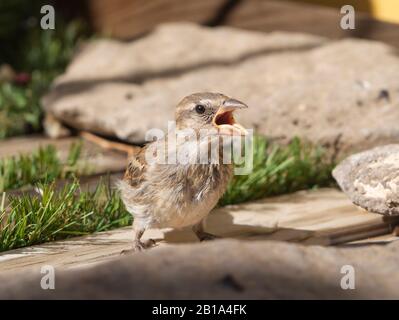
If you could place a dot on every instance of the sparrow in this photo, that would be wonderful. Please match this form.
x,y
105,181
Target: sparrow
x,y
177,194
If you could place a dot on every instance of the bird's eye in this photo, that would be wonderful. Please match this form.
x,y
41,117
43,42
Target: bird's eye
x,y
199,108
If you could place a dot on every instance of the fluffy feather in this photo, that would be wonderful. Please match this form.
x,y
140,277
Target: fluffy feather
x,y
177,195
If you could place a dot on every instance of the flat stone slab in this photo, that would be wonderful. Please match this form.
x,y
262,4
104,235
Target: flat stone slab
x,y
322,217
328,92
224,269
371,179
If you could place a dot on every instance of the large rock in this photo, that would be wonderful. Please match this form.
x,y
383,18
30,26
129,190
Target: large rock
x,y
339,93
225,269
371,179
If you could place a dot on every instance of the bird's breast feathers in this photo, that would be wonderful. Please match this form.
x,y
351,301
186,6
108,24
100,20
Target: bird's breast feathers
x,y
176,195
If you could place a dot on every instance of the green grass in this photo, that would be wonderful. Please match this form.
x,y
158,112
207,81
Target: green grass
x,y
41,166
54,215
281,169
58,214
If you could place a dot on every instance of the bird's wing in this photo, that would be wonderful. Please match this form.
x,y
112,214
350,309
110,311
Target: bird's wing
x,y
135,172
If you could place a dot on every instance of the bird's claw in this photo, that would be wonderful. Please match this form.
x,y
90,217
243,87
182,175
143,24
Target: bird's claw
x,y
127,252
139,246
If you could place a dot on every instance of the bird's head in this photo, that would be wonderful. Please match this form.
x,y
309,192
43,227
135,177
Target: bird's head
x,y
209,111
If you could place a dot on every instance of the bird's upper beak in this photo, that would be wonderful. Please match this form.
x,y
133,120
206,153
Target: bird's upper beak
x,y
224,120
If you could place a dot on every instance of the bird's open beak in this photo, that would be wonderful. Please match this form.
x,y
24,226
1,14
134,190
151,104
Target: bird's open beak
x,y
224,120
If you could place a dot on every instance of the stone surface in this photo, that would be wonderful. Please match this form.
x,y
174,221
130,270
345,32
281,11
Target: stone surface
x,y
317,217
108,88
343,94
371,179
223,269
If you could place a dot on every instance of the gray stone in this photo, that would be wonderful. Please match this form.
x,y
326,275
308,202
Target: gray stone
x,y
224,269
343,94
371,179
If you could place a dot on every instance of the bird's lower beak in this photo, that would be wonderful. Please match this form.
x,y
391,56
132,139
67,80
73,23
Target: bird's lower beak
x,y
224,120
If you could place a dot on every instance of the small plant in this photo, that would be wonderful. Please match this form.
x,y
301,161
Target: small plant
x,y
280,169
43,165
19,110
55,215
43,54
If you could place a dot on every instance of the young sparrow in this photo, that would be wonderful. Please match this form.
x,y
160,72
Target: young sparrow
x,y
178,193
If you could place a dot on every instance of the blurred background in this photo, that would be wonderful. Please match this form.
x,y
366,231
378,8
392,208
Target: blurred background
x,y
30,57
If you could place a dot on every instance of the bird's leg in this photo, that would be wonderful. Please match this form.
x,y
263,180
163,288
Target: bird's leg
x,y
138,245
201,234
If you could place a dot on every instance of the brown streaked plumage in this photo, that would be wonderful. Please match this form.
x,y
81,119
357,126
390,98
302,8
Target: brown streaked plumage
x,y
181,194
